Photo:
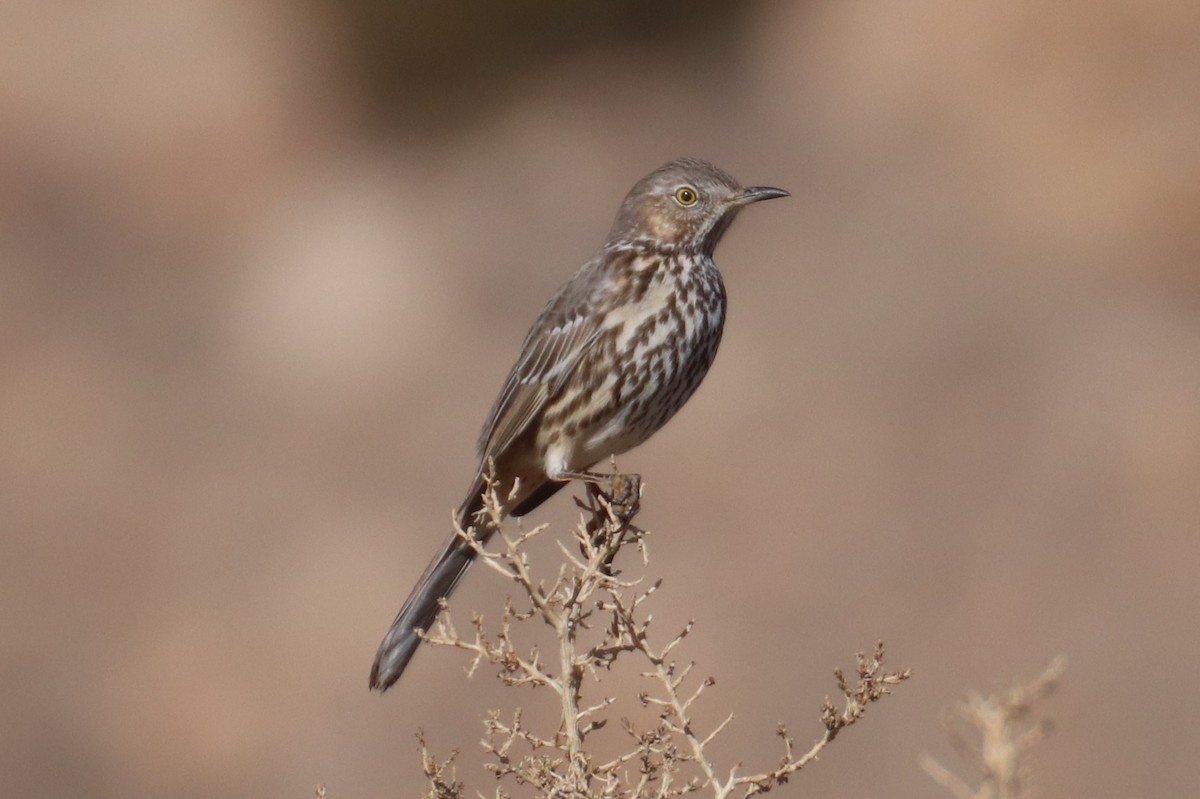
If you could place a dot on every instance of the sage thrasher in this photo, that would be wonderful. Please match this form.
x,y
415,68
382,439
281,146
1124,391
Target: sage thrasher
x,y
614,354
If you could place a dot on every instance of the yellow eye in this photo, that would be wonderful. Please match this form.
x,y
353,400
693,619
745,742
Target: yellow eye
x,y
686,195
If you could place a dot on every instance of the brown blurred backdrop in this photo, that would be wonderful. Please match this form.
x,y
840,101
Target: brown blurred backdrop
x,y
264,265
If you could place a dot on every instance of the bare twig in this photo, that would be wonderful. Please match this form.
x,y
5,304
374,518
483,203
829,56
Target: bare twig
x,y
596,618
989,731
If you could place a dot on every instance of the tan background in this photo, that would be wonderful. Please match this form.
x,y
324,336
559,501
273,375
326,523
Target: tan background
x,y
264,265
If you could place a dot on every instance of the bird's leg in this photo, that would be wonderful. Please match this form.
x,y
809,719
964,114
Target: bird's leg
x,y
620,504
625,490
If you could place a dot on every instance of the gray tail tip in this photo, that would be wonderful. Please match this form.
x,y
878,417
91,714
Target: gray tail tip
x,y
380,685
391,661
380,681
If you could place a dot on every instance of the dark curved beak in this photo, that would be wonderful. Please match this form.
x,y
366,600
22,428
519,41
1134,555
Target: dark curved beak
x,y
755,194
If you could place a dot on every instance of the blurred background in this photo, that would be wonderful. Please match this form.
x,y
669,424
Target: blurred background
x,y
263,267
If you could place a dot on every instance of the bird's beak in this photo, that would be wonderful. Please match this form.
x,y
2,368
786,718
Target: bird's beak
x,y
755,194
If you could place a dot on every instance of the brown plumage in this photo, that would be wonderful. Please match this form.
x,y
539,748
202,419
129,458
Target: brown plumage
x,y
617,351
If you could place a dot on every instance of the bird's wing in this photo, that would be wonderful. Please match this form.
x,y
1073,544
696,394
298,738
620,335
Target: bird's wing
x,y
564,330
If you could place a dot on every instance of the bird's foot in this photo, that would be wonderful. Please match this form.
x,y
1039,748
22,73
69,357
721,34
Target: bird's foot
x,y
624,494
611,510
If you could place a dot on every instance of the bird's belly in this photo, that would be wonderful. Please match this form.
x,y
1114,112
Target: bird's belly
x,y
646,373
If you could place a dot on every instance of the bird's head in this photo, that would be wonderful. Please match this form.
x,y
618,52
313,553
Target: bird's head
x,y
686,203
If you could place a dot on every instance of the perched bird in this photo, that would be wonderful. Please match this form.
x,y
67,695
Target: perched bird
x,y
614,354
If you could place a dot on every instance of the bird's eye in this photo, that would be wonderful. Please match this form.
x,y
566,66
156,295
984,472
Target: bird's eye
x,y
686,196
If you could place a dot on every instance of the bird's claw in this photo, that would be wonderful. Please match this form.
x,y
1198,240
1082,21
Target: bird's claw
x,y
625,496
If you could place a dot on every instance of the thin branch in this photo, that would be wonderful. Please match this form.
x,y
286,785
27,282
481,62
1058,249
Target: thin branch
x,y
988,731
598,617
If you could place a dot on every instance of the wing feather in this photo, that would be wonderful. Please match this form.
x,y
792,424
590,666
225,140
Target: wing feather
x,y
564,330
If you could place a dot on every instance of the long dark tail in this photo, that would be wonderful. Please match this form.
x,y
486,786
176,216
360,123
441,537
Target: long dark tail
x,y
421,608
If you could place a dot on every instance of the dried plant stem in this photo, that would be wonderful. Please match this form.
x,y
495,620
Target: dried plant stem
x,y
986,730
571,676
669,759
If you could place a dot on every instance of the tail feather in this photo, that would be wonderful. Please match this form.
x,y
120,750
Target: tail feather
x,y
421,608
440,578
